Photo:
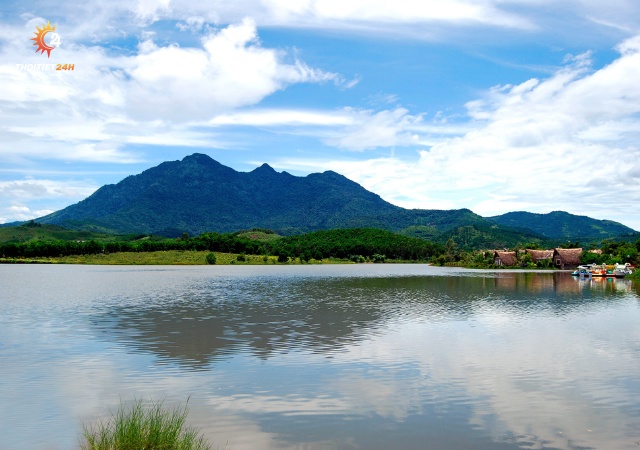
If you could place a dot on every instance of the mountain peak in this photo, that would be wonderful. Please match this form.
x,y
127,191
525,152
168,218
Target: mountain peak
x,y
198,157
202,162
265,168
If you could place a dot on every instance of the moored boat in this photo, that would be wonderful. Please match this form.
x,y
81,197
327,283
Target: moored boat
x,y
582,271
622,270
598,271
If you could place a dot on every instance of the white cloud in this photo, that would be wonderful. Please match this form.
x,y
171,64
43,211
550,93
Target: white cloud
x,y
97,19
23,199
20,212
568,142
352,14
382,129
347,128
283,117
421,20
41,188
432,20
151,9
231,70
533,143
152,97
193,23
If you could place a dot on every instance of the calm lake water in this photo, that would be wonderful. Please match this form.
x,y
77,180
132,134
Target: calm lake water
x,y
324,357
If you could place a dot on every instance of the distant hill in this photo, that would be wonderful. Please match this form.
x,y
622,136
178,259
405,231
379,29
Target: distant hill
x,y
35,231
198,194
564,226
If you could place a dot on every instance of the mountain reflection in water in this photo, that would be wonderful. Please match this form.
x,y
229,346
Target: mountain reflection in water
x,y
218,317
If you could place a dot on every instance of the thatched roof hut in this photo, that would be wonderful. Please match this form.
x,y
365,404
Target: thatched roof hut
x,y
504,258
567,258
540,255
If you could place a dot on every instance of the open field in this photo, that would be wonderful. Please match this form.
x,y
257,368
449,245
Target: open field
x,y
169,257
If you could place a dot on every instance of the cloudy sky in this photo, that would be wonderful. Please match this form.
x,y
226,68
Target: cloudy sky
x,y
491,105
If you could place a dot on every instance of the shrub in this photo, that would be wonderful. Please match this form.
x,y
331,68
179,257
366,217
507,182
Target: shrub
x,y
377,258
241,257
144,426
211,258
283,256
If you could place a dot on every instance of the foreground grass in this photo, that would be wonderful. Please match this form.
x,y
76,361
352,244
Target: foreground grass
x,y
144,426
170,257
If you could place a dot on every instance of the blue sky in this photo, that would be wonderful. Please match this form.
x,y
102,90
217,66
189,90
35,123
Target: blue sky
x,y
491,105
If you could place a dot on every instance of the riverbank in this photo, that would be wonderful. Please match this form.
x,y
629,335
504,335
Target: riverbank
x,y
167,257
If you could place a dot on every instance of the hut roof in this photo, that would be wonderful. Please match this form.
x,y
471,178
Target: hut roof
x,y
538,255
507,258
568,255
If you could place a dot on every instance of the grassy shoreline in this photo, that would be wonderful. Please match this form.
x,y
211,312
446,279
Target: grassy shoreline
x,y
165,257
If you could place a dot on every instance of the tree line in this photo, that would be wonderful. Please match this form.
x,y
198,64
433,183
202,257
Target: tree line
x,y
369,243
341,243
208,241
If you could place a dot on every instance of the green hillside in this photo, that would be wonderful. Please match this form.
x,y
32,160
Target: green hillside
x,y
563,226
36,231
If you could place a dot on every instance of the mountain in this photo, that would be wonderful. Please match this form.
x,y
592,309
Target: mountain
x,y
198,194
564,226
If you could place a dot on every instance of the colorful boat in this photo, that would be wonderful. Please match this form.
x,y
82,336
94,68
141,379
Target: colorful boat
x,y
598,271
622,270
582,271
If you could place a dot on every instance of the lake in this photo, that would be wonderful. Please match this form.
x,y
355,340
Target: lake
x,y
324,356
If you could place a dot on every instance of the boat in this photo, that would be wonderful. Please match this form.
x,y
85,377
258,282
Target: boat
x,y
622,270
582,271
598,271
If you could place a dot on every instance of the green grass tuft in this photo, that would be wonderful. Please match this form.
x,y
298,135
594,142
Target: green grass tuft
x,y
143,425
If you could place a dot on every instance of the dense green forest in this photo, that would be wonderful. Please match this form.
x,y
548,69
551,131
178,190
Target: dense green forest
x,y
231,243
347,243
